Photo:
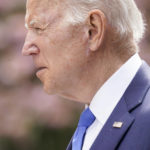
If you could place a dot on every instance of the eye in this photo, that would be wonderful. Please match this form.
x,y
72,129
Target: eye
x,y
38,30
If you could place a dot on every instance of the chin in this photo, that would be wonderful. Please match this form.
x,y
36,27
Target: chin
x,y
48,89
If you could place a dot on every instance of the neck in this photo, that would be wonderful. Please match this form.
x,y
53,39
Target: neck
x,y
93,77
99,68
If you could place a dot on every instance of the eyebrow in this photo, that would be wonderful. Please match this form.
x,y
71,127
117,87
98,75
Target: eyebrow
x,y
26,26
34,22
31,23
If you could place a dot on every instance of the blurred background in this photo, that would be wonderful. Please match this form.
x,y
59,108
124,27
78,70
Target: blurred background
x,y
29,118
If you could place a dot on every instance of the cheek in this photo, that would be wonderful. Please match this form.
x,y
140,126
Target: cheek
x,y
63,49
54,48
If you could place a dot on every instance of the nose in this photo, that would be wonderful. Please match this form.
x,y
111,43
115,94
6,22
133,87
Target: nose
x,y
29,47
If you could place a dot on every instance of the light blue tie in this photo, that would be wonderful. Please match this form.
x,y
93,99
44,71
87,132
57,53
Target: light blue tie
x,y
86,119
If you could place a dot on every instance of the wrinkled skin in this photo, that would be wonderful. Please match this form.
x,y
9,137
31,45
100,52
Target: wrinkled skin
x,y
72,61
59,49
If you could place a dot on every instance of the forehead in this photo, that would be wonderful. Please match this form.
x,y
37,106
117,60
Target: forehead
x,y
42,9
37,4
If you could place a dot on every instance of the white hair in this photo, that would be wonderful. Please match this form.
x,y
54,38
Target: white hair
x,y
123,15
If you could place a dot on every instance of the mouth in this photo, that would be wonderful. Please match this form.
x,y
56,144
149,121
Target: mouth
x,y
40,69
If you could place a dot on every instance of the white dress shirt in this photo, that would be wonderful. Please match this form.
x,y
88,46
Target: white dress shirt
x,y
107,97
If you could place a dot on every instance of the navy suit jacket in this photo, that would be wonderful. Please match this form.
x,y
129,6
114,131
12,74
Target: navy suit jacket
x,y
133,110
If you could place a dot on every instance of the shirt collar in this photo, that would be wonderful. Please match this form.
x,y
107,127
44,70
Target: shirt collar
x,y
113,89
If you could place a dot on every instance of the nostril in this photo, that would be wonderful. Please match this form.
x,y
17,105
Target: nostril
x,y
33,48
30,50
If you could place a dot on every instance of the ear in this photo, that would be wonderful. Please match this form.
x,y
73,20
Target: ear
x,y
96,29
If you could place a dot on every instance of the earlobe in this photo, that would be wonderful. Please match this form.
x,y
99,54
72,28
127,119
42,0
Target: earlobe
x,y
97,27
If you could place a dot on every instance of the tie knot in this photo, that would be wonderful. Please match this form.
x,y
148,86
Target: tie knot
x,y
86,118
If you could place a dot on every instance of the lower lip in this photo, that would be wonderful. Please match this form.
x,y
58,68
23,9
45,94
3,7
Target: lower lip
x,y
40,71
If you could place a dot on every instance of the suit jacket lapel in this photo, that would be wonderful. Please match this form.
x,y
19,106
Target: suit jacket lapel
x,y
109,137
69,147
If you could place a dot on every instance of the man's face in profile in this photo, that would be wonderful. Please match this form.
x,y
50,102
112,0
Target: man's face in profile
x,y
57,48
